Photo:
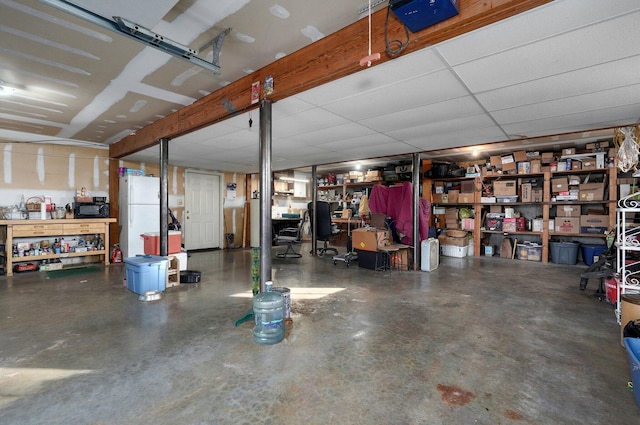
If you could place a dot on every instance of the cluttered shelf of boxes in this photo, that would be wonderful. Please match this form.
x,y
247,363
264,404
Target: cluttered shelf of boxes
x,y
526,205
344,191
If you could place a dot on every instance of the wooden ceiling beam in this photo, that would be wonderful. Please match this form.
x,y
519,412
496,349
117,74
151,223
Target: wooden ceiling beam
x,y
330,58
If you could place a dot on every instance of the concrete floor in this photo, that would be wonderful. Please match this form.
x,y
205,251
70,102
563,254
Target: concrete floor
x,y
478,341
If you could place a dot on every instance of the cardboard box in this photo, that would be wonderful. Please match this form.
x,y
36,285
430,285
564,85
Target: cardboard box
x,y
504,188
567,225
568,211
509,224
467,186
597,146
536,166
438,187
590,220
594,224
443,239
536,195
370,240
509,167
588,163
547,157
495,161
466,198
591,191
520,156
525,192
453,196
559,184
524,167
495,209
568,151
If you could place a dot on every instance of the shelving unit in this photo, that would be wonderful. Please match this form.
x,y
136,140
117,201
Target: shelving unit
x,y
628,248
343,190
543,209
34,229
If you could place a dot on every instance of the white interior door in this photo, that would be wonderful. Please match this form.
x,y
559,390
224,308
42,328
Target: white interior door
x,y
203,210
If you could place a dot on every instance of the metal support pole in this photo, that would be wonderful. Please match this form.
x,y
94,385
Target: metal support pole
x,y
266,192
314,215
415,180
164,197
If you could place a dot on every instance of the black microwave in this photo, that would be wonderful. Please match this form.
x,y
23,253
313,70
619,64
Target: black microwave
x,y
90,210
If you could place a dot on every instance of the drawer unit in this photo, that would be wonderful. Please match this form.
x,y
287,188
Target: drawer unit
x,y
26,230
83,228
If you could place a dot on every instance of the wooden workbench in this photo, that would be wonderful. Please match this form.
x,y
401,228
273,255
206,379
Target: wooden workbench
x,y
10,230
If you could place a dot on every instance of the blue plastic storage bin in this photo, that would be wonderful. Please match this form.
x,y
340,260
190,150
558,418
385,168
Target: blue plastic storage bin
x,y
633,350
146,273
589,252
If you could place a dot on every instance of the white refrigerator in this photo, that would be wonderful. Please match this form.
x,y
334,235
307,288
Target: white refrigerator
x,y
139,208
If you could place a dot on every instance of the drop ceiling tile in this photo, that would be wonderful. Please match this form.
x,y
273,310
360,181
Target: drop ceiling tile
x,y
435,112
441,129
305,122
406,67
628,95
587,80
362,143
338,133
543,22
403,95
600,43
289,107
617,116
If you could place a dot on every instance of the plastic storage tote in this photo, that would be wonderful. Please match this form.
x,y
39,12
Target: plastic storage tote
x,y
146,273
633,352
589,252
564,252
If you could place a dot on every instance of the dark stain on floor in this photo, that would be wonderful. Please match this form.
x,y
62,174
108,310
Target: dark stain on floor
x,y
455,396
510,414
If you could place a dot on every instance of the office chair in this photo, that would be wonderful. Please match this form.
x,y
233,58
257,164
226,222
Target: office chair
x,y
325,228
290,236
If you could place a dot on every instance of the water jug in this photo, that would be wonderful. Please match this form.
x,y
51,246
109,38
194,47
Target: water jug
x,y
268,314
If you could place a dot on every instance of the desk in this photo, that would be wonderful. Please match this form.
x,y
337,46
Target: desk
x,y
346,225
353,222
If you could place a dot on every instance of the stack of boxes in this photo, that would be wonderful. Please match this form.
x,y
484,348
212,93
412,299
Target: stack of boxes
x,y
451,218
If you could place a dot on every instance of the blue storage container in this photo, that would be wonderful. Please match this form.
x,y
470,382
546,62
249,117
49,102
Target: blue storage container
x,y
564,252
589,252
146,273
633,350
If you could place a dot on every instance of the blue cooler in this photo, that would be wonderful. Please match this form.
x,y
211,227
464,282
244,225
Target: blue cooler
x,y
146,273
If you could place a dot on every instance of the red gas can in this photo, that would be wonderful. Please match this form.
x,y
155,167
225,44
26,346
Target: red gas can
x,y
611,286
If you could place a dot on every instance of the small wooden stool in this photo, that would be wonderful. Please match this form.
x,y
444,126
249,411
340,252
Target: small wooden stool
x,y
387,253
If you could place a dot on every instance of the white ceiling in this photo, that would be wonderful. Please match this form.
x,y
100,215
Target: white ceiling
x,y
569,66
